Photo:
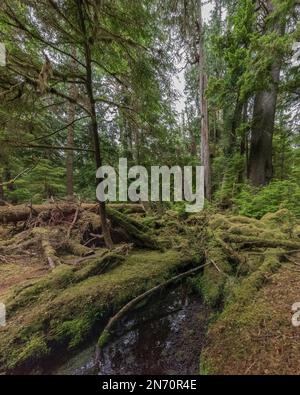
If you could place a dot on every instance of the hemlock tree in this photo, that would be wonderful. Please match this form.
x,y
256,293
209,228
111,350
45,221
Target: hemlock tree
x,y
110,39
272,28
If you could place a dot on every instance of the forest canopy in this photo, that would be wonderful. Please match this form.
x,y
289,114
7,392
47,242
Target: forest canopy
x,y
86,78
194,107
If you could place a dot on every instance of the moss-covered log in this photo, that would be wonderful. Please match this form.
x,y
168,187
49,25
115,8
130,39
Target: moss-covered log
x,y
23,212
61,310
135,231
248,242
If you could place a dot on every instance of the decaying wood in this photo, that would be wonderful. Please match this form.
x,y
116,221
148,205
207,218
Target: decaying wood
x,y
230,252
23,212
248,242
73,222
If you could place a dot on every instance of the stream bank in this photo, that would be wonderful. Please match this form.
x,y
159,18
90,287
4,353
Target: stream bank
x,y
53,313
162,337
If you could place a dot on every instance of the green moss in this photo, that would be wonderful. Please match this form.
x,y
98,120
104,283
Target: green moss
x,y
136,231
60,278
296,231
241,313
29,292
103,339
35,349
206,367
253,231
73,332
279,217
219,221
66,316
98,266
212,283
246,291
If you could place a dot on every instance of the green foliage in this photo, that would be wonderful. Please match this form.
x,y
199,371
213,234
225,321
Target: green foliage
x,y
41,182
278,194
227,183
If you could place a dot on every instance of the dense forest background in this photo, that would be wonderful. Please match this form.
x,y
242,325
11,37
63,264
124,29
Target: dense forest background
x,y
87,82
94,79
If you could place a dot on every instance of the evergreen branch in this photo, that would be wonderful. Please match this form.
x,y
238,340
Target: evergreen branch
x,y
58,130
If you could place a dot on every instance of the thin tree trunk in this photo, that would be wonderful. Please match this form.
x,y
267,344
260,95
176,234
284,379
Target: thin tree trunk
x,y
70,142
244,150
94,122
235,124
205,149
1,188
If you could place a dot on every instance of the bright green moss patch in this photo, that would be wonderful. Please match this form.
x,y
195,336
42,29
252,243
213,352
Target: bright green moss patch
x,y
103,339
252,334
229,337
35,349
212,283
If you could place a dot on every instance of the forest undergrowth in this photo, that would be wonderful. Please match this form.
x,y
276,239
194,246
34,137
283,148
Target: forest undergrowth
x,y
61,285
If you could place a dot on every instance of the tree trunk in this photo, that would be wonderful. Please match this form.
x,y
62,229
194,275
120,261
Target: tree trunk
x,y
1,188
70,144
205,149
94,122
244,149
70,154
261,149
260,171
235,124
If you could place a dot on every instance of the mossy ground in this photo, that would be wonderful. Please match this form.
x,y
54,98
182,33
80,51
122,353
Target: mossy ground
x,y
60,315
54,312
253,333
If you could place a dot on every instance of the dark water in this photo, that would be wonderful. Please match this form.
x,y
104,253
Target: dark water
x,y
165,336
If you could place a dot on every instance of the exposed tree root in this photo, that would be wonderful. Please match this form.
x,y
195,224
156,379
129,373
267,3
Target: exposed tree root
x,y
49,253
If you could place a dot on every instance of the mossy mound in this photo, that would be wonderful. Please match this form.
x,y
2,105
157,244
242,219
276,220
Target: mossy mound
x,y
212,283
241,338
60,311
254,333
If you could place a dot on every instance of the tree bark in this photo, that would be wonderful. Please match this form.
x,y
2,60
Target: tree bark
x,y
235,124
204,124
1,188
14,214
260,171
70,145
94,122
261,148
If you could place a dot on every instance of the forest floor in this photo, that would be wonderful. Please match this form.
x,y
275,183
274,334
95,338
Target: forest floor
x,y
60,285
253,332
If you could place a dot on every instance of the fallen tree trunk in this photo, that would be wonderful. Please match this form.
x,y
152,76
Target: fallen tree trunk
x,y
248,242
18,213
133,230
107,332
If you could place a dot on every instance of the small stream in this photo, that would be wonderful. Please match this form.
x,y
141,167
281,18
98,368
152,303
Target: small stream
x,y
163,337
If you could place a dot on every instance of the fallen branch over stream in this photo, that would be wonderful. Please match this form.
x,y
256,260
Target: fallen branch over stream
x,y
106,333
